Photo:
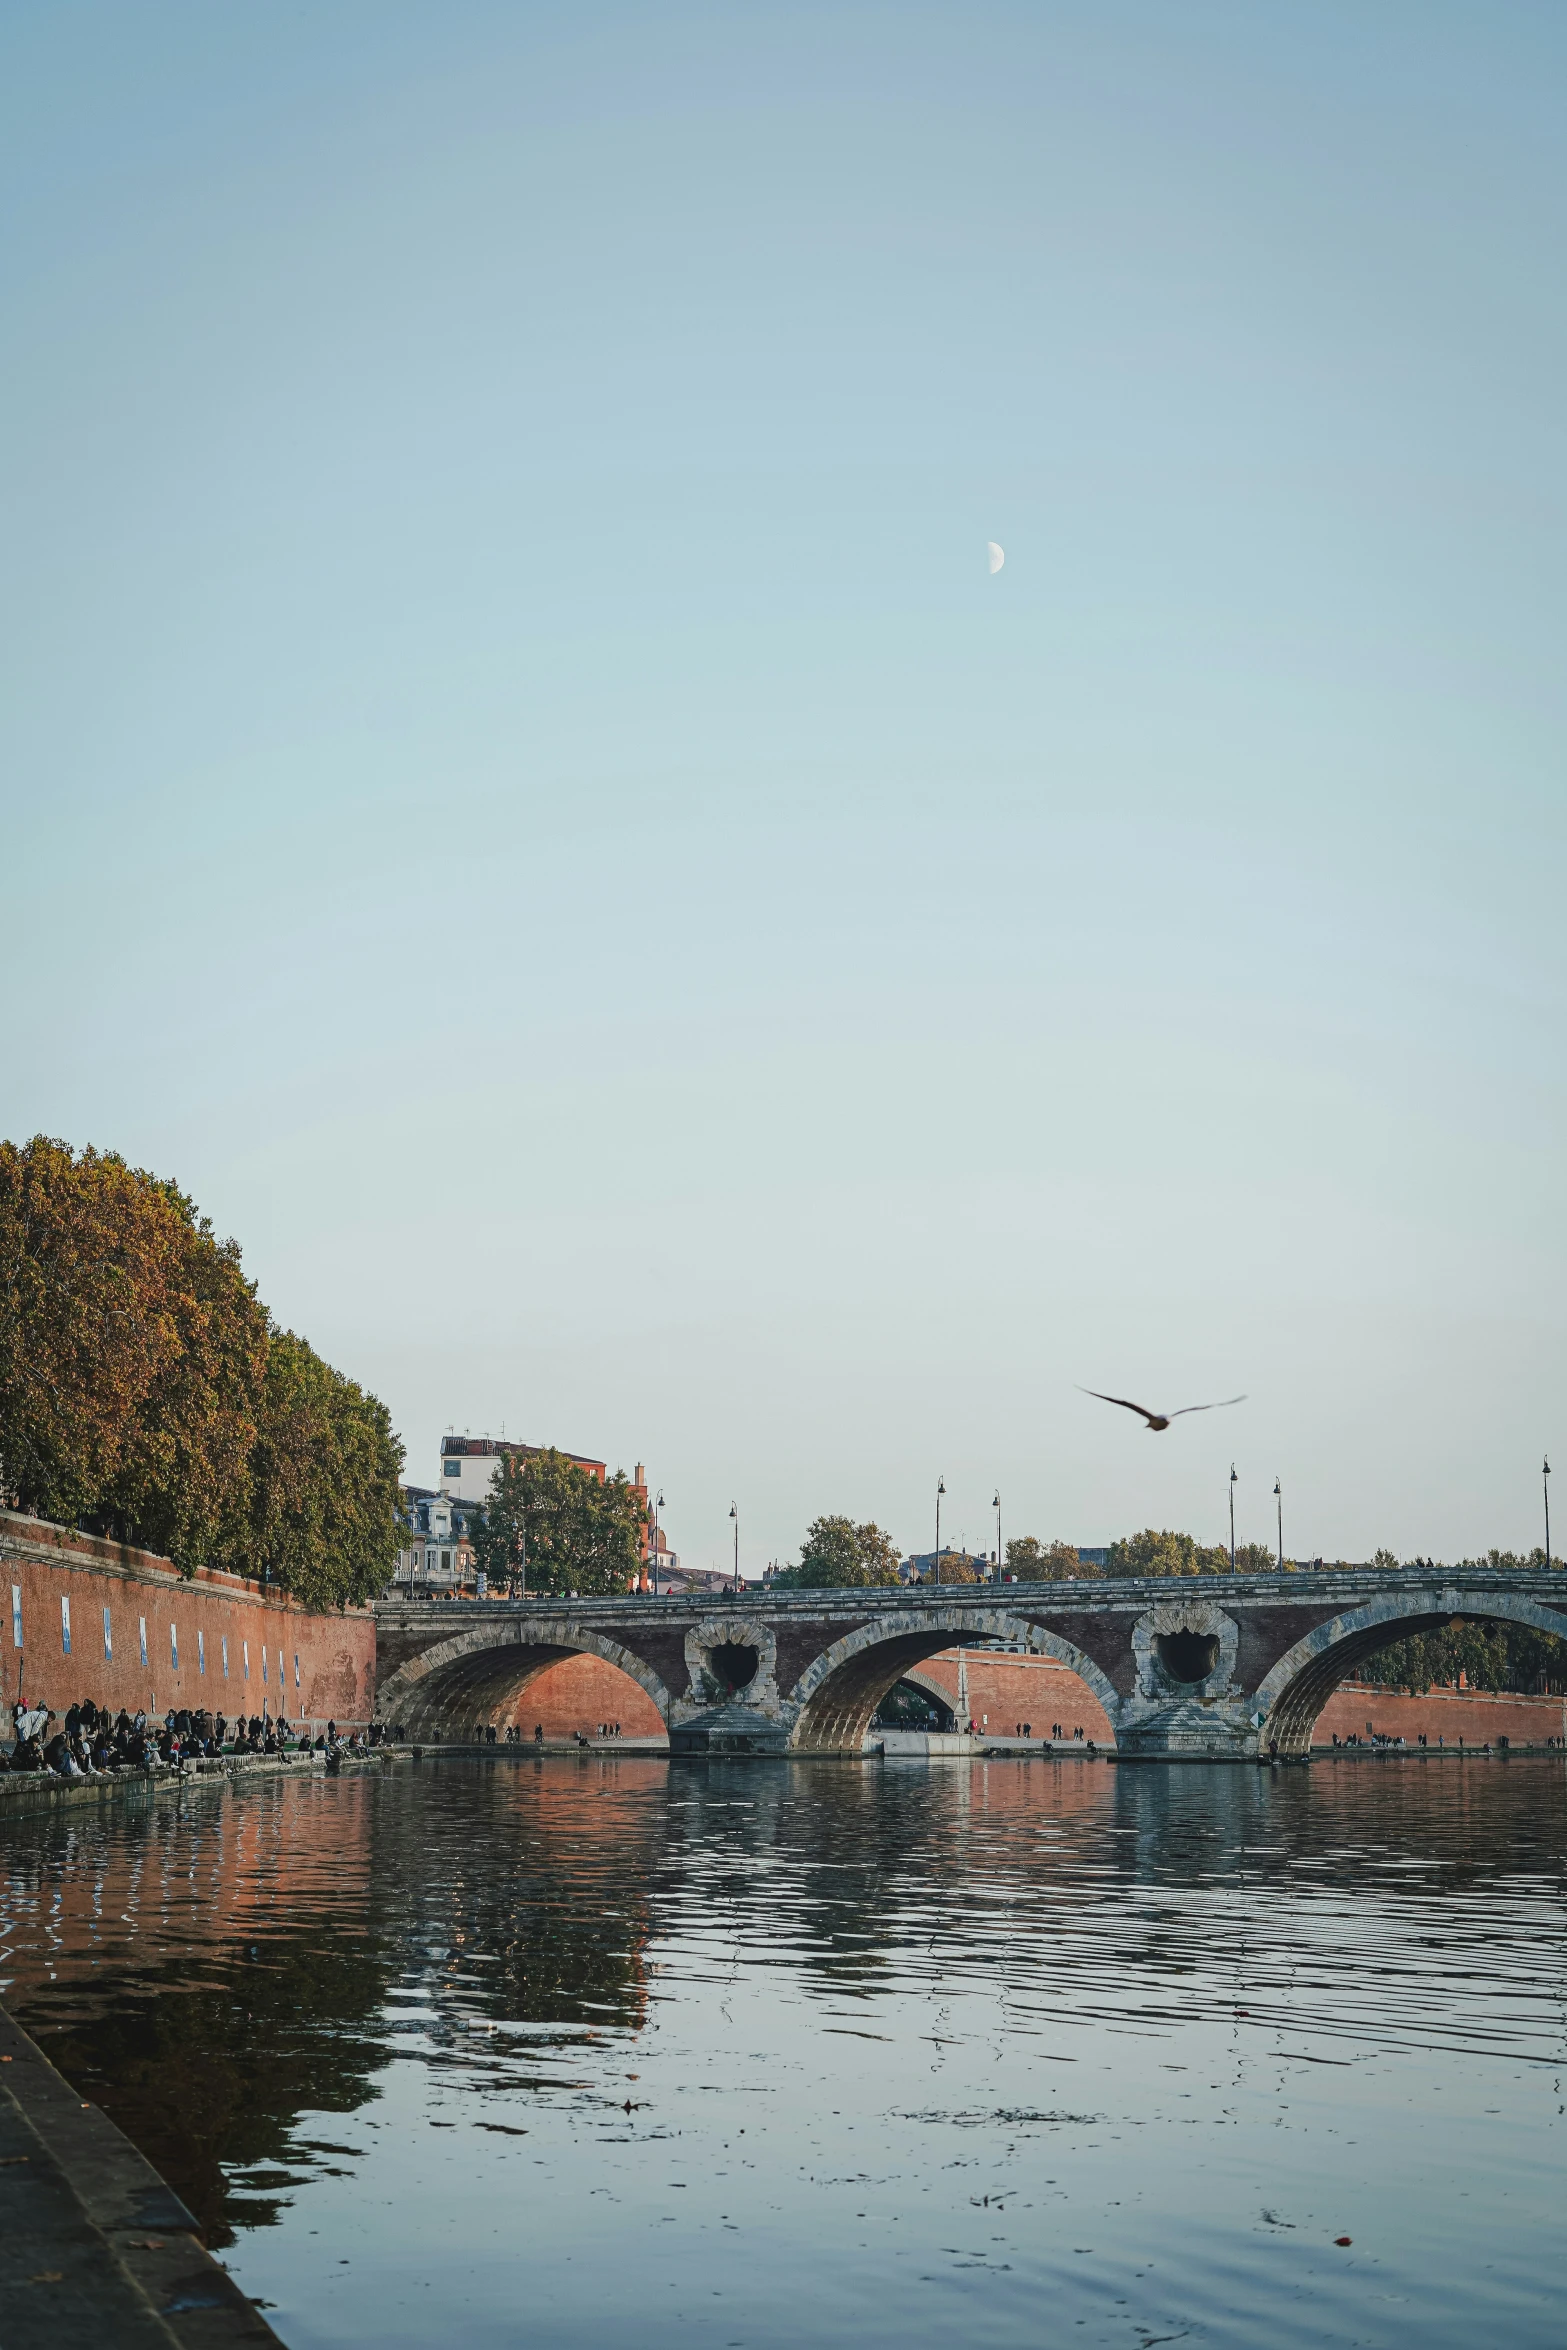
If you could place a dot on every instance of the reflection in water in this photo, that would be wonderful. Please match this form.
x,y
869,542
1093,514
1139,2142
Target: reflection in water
x,y
748,2051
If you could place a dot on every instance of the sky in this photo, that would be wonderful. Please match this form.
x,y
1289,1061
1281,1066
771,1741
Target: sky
x,y
520,791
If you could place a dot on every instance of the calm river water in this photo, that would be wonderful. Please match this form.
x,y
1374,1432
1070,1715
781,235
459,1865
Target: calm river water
x,y
598,2051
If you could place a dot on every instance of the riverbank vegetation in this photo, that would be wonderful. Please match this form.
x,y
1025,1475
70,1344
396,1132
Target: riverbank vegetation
x,y
147,1394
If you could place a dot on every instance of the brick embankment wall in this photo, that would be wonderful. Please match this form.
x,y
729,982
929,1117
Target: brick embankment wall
x,y
1474,1715
278,1658
1006,1690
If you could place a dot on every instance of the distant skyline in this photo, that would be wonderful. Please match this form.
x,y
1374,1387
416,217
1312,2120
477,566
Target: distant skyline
x,y
524,795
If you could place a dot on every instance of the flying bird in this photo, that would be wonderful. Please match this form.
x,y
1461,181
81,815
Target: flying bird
x,y
1158,1420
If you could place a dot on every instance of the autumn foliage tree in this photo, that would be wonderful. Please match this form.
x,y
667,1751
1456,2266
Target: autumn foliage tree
x,y
571,1533
145,1394
837,1555
1033,1561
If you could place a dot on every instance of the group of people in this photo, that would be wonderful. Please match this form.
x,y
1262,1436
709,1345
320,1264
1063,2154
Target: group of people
x,y
1384,1739
91,1741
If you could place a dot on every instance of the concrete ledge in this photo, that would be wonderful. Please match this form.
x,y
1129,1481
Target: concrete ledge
x,y
45,1790
96,2252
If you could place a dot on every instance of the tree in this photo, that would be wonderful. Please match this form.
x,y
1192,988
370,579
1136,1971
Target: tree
x,y
132,1352
956,1567
145,1394
838,1555
1033,1561
571,1532
1165,1553
325,1481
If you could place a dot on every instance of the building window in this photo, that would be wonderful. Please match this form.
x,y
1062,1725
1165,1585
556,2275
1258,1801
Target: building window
x,y
141,1626
429,1562
282,1677
65,1624
263,1664
225,1645
296,1668
108,1638
446,1562
201,1652
174,1648
245,1655
16,1615
454,1468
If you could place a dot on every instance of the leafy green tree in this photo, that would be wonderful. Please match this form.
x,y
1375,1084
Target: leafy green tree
x,y
570,1532
1163,1552
325,1483
838,1555
1033,1561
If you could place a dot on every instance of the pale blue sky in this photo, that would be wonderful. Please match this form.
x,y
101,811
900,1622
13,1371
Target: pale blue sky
x,y
520,791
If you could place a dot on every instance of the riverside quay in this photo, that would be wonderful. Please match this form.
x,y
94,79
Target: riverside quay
x,y
1226,1668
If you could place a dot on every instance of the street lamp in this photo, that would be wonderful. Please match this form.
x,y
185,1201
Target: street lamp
x,y
1545,1481
1278,1495
996,1506
735,1514
941,1487
1232,1517
657,1506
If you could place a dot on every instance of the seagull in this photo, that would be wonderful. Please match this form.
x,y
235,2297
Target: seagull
x,y
1158,1420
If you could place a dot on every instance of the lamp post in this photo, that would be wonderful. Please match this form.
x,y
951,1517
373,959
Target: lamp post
x,y
996,1506
1545,1481
735,1514
941,1487
1232,1517
657,1507
1278,1495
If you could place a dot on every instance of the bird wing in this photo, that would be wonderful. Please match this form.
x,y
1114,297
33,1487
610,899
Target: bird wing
x,y
1207,1407
1130,1407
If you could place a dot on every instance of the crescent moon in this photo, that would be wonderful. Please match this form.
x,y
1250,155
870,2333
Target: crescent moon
x,y
997,555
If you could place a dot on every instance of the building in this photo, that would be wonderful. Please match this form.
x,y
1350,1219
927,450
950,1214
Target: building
x,y
468,1463
437,1555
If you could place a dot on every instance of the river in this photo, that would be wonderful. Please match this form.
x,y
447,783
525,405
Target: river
x,y
744,2055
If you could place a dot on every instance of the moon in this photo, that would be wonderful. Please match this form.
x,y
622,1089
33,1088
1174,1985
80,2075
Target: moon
x,y
997,556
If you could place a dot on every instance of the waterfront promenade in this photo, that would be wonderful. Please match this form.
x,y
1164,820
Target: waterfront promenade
x,y
95,2248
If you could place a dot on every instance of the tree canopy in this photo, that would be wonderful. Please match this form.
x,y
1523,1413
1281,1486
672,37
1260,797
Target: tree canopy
x,y
145,1392
838,1555
1033,1561
1161,1551
573,1533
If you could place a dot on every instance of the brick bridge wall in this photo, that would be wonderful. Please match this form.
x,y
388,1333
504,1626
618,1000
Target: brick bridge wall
x,y
46,1564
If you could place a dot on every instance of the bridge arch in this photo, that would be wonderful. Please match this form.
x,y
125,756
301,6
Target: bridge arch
x,y
839,1693
1294,1693
478,1674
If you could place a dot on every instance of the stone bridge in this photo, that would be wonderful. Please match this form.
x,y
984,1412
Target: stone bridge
x,y
1220,1667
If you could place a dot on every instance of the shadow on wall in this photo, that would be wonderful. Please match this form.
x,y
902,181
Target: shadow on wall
x,y
578,1693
